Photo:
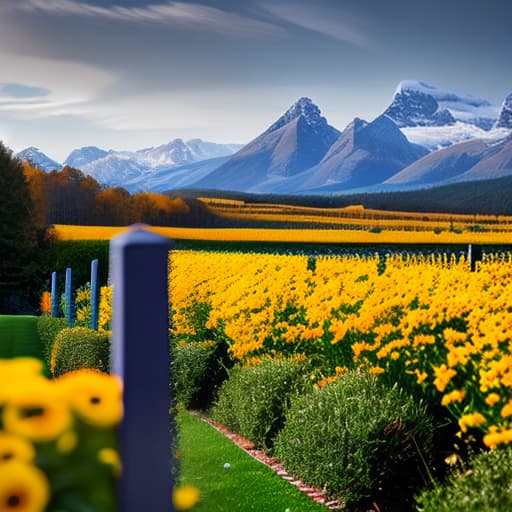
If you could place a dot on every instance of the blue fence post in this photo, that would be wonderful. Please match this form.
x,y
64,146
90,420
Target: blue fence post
x,y
70,314
94,295
140,356
54,295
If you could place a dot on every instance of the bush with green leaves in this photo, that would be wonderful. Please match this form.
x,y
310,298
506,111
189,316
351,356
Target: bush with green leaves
x,y
358,439
48,327
198,369
79,347
485,487
253,401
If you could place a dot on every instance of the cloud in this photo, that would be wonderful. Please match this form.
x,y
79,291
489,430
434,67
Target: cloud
x,y
46,88
173,13
331,21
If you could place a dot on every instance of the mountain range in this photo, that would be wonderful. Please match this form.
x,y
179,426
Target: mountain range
x,y
427,136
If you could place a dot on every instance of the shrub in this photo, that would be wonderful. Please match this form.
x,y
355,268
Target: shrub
x,y
48,327
253,401
357,439
483,488
79,347
198,369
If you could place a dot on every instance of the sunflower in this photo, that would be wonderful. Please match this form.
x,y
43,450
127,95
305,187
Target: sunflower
x,y
96,397
16,372
36,411
15,448
23,488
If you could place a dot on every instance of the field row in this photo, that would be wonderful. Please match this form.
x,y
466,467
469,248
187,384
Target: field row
x,y
376,235
427,323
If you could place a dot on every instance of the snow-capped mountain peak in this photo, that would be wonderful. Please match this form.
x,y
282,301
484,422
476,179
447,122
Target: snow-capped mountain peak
x,y
505,117
302,107
38,159
78,158
420,103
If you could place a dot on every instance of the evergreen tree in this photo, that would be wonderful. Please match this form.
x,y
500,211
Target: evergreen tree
x,y
17,235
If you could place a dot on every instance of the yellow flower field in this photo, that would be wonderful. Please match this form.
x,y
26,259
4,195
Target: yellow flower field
x,y
386,236
425,322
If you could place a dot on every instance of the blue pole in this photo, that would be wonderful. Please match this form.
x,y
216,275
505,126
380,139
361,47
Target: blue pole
x,y
69,298
54,295
140,356
94,295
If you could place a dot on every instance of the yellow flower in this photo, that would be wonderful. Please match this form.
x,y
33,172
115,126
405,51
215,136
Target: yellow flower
x,y
94,396
15,448
495,437
23,488
18,369
474,419
443,377
507,410
66,443
376,370
185,497
35,411
454,396
492,398
110,457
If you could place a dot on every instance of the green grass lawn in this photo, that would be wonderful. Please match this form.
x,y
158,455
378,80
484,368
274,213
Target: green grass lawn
x,y
247,485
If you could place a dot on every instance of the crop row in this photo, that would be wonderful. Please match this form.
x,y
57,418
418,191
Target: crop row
x,y
424,322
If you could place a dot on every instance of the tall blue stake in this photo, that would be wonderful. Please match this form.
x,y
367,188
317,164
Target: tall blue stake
x,y
54,295
140,355
70,316
94,295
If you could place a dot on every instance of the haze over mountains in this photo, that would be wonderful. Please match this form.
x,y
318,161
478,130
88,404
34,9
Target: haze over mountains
x,y
427,136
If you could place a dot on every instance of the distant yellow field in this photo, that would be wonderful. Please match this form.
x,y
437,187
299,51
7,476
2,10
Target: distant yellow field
x,y
386,236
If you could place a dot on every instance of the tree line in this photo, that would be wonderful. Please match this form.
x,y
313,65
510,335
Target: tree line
x,y
31,200
69,196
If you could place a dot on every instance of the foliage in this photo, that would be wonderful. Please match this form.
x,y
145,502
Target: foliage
x,y
198,369
79,347
48,328
77,255
483,486
57,451
426,322
19,337
357,438
253,401
18,240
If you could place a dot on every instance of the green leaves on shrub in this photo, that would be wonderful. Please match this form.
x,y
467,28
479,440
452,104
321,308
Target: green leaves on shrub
x,y
79,347
357,439
486,487
253,401
198,369
48,327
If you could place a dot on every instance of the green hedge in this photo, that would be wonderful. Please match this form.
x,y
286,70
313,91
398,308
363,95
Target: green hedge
x,y
79,347
48,328
19,337
253,401
77,255
484,486
198,369
357,439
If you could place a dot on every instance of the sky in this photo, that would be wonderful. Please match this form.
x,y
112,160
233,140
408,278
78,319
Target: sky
x,y
129,74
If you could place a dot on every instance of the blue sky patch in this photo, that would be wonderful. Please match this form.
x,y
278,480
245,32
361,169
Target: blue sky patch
x,y
23,91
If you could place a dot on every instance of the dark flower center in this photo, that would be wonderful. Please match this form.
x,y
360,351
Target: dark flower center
x,y
13,501
95,400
